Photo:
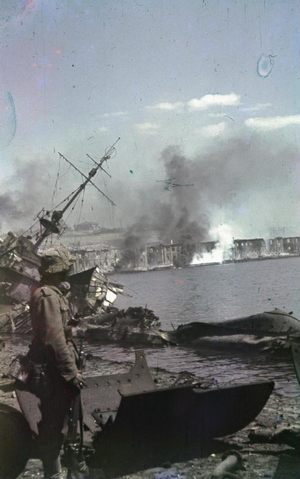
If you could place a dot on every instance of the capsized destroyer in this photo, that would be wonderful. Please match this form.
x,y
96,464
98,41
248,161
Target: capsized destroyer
x,y
267,330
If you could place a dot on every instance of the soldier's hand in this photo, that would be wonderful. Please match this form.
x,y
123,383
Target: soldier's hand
x,y
78,382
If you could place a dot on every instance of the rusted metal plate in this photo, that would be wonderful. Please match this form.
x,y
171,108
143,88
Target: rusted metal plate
x,y
174,425
129,411
129,405
185,415
102,397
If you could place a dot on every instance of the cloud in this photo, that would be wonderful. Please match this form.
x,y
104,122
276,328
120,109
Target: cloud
x,y
257,107
207,101
147,128
114,114
167,106
212,131
272,122
196,104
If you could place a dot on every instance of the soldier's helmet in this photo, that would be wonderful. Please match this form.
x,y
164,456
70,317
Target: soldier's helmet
x,y
56,260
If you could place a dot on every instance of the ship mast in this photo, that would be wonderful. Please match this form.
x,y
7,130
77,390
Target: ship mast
x,y
52,225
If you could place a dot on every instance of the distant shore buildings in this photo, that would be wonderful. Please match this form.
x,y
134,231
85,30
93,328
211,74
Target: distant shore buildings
x,y
117,250
106,248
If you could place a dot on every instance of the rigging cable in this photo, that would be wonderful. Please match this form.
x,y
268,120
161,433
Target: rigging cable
x,y
81,206
56,183
64,200
111,208
73,207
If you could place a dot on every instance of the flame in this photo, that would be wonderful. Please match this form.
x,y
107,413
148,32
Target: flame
x,y
223,249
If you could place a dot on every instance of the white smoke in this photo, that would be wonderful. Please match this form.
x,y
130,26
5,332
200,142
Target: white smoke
x,y
223,249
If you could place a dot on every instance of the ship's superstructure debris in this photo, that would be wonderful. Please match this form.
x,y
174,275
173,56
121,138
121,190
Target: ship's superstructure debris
x,y
20,261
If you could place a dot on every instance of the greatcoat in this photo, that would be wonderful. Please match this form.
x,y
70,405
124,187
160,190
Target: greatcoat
x,y
55,363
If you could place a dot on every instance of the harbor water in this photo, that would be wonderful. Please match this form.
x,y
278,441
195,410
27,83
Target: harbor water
x,y
206,293
214,293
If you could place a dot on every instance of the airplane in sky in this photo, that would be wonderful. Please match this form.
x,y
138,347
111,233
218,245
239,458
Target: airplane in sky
x,y
170,183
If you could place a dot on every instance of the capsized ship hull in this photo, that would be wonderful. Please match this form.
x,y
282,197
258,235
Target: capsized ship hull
x,y
267,328
265,331
141,327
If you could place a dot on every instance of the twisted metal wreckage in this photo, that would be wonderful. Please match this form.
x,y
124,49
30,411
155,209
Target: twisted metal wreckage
x,y
128,416
91,292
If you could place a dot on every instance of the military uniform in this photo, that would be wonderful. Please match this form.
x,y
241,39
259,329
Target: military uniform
x,y
54,357
50,314
55,364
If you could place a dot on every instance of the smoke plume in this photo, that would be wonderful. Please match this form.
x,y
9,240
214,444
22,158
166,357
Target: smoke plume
x,y
254,183
248,182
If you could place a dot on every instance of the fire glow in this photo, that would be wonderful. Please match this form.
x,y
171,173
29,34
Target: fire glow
x,y
221,252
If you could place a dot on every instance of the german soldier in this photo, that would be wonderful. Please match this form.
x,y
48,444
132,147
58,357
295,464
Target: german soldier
x,y
57,379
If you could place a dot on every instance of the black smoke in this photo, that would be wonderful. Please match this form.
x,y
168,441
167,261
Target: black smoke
x,y
133,244
252,176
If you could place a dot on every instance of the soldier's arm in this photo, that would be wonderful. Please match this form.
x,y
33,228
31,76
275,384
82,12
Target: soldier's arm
x,y
50,321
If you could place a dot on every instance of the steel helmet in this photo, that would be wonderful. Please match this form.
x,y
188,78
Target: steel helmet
x,y
56,260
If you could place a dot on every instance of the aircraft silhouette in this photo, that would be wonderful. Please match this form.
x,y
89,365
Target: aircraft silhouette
x,y
170,183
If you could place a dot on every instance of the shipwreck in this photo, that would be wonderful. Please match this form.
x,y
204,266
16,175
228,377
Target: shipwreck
x,y
91,292
268,331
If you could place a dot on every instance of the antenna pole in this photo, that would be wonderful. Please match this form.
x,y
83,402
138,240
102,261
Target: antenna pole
x,y
52,226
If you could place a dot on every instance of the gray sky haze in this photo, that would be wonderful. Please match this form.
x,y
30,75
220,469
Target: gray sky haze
x,y
216,80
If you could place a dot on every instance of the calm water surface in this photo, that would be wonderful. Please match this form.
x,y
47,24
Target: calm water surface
x,y
216,292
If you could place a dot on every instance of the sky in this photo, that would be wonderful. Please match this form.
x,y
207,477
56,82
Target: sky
x,y
206,91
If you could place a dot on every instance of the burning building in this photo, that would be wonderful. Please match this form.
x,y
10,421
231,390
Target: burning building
x,y
249,248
